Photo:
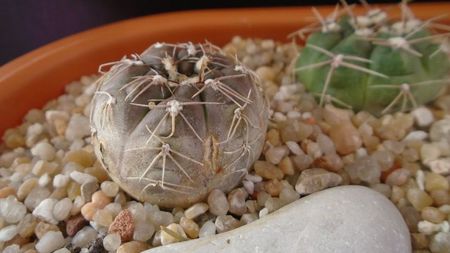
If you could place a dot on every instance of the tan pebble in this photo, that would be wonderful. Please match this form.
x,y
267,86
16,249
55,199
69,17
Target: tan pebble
x,y
42,228
103,218
419,241
266,73
75,224
397,193
432,214
58,193
418,198
124,225
346,138
13,139
7,191
440,197
267,170
316,179
73,190
79,156
100,199
133,247
190,227
286,166
19,240
295,130
435,181
30,251
27,225
172,233
88,210
87,189
273,187
273,136
26,187
196,210
98,172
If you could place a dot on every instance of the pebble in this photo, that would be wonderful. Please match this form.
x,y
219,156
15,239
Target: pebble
x,y
354,209
84,237
8,232
100,199
88,210
423,116
275,154
248,218
429,152
196,210
435,181
226,223
160,218
398,177
44,151
103,218
440,166
432,214
416,136
80,157
50,242
208,228
440,243
42,228
143,231
27,225
294,148
87,189
190,227
169,238
11,210
346,138
14,248
218,203
74,224
61,210
26,187
236,201
124,225
44,211
110,188
63,250
7,191
267,170
440,130
60,180
418,198
82,178
316,179
78,127
111,242
288,195
132,247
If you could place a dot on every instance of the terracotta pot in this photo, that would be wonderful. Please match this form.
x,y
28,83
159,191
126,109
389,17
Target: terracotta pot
x,y
34,78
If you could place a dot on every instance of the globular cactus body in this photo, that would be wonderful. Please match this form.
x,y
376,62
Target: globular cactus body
x,y
177,121
369,63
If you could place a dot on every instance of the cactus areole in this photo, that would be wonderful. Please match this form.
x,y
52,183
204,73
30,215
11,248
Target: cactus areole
x,y
371,63
177,121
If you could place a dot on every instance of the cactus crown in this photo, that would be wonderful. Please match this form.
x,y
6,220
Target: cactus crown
x,y
177,121
369,62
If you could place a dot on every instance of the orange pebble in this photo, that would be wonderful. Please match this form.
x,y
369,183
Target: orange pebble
x,y
100,199
7,191
88,210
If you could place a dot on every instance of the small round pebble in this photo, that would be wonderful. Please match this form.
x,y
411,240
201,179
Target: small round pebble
x,y
218,203
111,242
110,188
50,242
62,209
196,210
44,150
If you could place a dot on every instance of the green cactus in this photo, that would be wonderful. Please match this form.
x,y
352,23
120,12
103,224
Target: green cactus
x,y
177,121
371,63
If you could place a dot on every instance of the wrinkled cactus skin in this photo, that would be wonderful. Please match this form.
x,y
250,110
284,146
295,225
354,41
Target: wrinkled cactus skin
x,y
177,121
401,64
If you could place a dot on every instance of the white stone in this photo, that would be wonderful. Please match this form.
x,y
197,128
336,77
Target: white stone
x,y
84,237
82,178
429,152
196,210
111,242
294,148
427,227
60,180
440,166
7,233
44,150
416,136
44,180
110,188
63,250
50,242
62,209
208,229
44,211
440,130
218,203
78,127
13,248
341,219
11,210
423,116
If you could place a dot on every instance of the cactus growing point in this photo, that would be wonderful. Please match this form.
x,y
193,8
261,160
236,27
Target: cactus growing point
x,y
370,63
176,121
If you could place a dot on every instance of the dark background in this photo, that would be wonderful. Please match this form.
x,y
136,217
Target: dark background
x,y
28,24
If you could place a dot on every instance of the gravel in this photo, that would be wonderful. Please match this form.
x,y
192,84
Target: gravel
x,y
51,182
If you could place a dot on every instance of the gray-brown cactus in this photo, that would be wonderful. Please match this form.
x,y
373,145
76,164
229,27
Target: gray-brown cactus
x,y
177,121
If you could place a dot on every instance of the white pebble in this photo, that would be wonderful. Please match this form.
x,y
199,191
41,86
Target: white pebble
x,y
13,248
44,150
11,210
84,237
275,154
294,148
420,179
423,116
294,115
263,212
440,166
111,242
82,178
249,186
78,202
62,209
44,210
110,188
253,178
207,229
429,152
416,136
218,203
63,250
44,180
427,227
50,242
143,231
279,117
196,210
60,180
7,233
78,127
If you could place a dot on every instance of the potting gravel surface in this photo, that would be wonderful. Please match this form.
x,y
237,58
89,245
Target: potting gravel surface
x,y
55,196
